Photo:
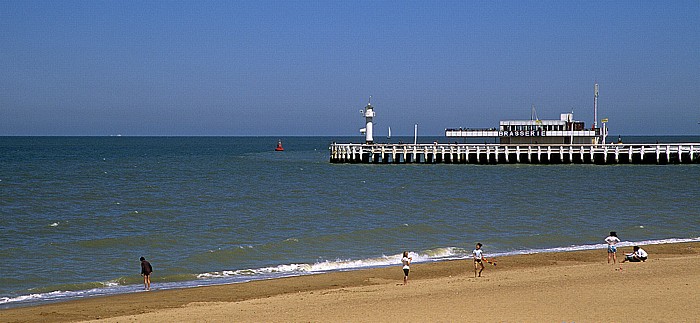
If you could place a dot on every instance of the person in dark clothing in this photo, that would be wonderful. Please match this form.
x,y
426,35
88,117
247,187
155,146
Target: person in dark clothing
x,y
146,271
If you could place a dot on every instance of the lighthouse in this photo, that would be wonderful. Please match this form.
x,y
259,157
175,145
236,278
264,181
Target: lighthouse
x,y
368,113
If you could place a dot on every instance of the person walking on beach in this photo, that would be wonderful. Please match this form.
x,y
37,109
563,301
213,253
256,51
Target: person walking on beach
x,y
637,256
478,259
146,271
406,261
612,240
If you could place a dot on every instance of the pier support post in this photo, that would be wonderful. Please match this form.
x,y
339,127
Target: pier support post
x,y
561,154
630,155
605,154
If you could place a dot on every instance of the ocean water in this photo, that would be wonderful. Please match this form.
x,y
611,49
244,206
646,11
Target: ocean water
x,y
76,213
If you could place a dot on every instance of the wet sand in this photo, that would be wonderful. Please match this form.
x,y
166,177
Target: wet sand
x,y
551,287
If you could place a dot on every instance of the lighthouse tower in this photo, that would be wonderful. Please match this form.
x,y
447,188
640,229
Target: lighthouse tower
x,y
368,113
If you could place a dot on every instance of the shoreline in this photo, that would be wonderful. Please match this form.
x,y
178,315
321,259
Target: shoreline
x,y
586,272
284,272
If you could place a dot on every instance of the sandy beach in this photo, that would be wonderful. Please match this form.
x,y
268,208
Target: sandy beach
x,y
551,287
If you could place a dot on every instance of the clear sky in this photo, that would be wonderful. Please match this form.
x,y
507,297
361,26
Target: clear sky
x,y
284,68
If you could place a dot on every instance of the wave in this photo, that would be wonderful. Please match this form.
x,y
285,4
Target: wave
x,y
131,285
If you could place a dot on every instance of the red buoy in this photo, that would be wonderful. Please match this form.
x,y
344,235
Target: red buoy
x,y
279,146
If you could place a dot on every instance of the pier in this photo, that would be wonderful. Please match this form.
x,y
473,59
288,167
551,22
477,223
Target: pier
x,y
455,153
554,141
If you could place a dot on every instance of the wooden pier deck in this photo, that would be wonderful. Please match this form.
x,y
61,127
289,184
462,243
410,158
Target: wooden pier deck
x,y
382,153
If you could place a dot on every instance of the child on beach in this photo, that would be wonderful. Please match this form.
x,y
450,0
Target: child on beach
x,y
146,271
637,256
406,261
612,240
478,259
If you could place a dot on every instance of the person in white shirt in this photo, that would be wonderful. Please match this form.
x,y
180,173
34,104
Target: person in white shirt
x,y
478,259
612,240
406,261
638,255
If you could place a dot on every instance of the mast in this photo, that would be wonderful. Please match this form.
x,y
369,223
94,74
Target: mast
x,y
595,106
571,123
415,134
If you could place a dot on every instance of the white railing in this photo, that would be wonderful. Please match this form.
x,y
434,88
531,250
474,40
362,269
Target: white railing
x,y
456,152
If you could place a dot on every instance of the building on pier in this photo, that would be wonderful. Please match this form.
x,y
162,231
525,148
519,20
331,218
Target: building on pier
x,y
517,132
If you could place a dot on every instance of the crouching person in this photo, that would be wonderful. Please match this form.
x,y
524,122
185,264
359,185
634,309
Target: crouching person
x,y
638,255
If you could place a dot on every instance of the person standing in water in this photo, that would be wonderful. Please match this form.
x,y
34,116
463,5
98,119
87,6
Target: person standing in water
x,y
612,240
146,271
478,255
406,261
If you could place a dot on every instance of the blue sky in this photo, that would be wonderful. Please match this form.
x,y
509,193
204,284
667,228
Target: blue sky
x,y
284,68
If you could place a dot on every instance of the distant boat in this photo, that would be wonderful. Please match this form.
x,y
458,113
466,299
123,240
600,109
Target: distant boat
x,y
279,146
389,135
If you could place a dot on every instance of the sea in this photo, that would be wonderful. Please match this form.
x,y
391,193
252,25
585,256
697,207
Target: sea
x,y
77,213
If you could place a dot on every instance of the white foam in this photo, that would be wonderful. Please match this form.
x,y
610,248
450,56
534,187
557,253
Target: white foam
x,y
334,265
30,297
109,287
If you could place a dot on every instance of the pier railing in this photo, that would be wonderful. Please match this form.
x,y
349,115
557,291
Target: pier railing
x,y
455,153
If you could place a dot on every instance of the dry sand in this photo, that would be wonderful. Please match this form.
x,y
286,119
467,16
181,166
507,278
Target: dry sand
x,y
553,287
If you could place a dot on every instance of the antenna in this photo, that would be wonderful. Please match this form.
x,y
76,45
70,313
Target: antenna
x,y
533,114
